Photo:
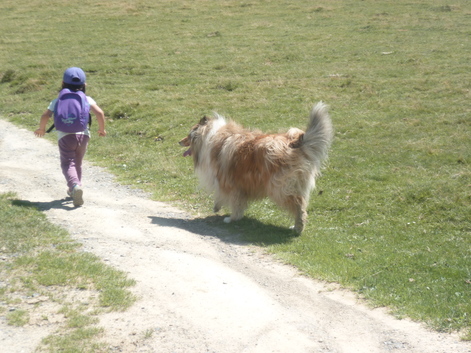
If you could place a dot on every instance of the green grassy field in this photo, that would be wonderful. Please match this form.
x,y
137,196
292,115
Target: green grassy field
x,y
393,220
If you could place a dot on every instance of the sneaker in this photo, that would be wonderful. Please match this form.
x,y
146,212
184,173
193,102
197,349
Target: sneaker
x,y
77,196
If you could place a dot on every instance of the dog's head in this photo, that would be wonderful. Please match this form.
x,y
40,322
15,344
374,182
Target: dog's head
x,y
193,136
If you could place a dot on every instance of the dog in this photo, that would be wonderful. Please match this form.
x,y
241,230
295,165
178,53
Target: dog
x,y
239,165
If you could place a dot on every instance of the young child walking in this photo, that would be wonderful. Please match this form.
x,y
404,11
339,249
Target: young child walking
x,y
71,111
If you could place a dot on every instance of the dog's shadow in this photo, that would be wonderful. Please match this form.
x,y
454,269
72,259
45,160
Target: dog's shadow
x,y
246,231
64,204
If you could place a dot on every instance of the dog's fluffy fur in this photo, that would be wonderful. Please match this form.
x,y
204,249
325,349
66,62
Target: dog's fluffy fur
x,y
240,165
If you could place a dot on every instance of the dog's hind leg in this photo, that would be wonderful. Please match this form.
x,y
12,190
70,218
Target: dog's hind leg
x,y
297,206
238,205
300,221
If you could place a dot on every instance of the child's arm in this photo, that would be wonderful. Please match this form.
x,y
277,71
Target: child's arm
x,y
43,122
100,117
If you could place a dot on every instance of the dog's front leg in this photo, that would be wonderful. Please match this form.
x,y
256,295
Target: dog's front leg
x,y
238,205
218,201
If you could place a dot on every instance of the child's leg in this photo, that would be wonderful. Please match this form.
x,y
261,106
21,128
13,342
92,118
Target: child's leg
x,y
82,143
72,149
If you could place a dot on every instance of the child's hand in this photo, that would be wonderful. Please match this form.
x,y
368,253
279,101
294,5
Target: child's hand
x,y
40,132
102,133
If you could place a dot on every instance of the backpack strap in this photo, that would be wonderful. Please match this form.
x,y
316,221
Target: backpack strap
x,y
53,126
50,129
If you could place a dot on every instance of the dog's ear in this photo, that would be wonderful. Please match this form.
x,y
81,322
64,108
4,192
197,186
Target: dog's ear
x,y
297,142
203,120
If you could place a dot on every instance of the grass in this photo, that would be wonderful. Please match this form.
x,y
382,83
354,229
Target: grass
x,y
41,267
393,219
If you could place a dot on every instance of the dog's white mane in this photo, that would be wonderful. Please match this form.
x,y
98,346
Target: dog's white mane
x,y
218,122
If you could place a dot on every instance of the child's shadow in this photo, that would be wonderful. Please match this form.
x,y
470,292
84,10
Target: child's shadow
x,y
64,204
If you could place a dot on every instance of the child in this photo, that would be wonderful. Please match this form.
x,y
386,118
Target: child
x,y
73,145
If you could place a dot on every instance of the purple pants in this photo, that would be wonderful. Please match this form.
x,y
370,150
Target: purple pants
x,y
72,149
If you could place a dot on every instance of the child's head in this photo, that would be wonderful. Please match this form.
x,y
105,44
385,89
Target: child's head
x,y
74,79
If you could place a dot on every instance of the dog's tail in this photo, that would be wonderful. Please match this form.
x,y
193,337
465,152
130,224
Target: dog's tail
x,y
318,136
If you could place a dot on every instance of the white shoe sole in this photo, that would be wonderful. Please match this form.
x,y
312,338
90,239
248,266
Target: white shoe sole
x,y
77,196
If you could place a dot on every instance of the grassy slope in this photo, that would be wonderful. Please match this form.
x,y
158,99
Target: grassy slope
x,y
393,221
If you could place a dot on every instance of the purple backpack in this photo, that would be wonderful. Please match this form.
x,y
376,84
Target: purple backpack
x,y
72,111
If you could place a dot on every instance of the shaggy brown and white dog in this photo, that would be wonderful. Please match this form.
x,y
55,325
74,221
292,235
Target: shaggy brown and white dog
x,y
240,165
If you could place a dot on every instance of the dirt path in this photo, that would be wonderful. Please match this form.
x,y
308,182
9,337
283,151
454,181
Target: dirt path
x,y
200,290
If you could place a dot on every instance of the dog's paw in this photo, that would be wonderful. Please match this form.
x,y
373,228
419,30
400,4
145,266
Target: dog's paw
x,y
295,229
227,219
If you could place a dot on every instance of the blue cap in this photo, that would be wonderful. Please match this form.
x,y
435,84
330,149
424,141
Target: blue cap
x,y
74,76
